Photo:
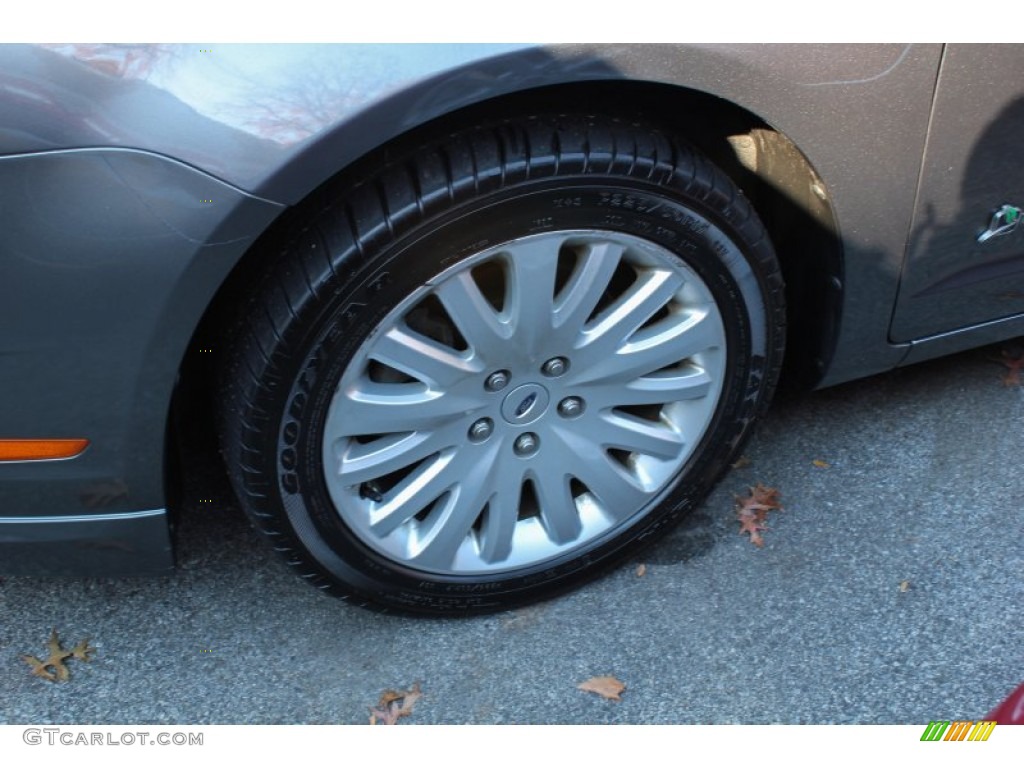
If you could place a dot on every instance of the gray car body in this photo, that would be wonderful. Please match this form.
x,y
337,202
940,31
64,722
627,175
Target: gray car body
x,y
134,179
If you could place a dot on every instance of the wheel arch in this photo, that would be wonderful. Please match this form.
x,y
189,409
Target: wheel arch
x,y
783,186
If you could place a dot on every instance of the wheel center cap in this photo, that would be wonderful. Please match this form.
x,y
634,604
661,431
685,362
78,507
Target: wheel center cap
x,y
525,404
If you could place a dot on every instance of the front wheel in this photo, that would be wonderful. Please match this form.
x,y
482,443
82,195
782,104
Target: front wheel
x,y
502,364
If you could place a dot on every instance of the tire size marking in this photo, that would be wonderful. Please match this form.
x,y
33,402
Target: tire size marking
x,y
378,282
666,235
349,314
479,245
461,588
568,202
627,202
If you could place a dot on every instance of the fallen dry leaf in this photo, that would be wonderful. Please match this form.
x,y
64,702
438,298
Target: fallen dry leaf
x,y
50,669
904,585
821,464
82,651
394,705
750,524
53,667
1014,363
766,496
641,569
608,687
752,511
741,462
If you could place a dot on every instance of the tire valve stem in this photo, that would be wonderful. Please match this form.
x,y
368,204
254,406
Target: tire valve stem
x,y
370,490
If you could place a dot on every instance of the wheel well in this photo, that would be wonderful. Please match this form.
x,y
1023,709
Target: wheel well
x,y
786,192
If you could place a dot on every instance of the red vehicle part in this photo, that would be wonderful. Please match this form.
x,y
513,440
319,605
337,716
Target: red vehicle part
x,y
1011,711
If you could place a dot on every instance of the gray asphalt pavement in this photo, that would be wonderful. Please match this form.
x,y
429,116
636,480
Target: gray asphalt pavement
x,y
888,591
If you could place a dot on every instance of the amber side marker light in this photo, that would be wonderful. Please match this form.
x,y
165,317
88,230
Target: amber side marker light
x,y
40,450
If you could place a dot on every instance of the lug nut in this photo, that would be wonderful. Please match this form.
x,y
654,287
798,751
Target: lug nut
x,y
526,444
497,381
570,407
556,366
481,430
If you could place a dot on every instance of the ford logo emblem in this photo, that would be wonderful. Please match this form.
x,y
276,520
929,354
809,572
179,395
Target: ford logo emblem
x,y
526,405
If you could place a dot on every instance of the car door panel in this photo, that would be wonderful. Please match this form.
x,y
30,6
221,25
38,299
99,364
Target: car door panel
x,y
972,166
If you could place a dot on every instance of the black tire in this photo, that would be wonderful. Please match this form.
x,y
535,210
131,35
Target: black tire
x,y
363,264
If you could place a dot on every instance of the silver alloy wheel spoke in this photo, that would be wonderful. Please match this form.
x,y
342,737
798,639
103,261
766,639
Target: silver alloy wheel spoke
x,y
531,294
615,325
373,408
416,493
498,525
365,462
618,494
425,359
627,433
653,390
473,315
435,467
435,548
581,296
557,508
